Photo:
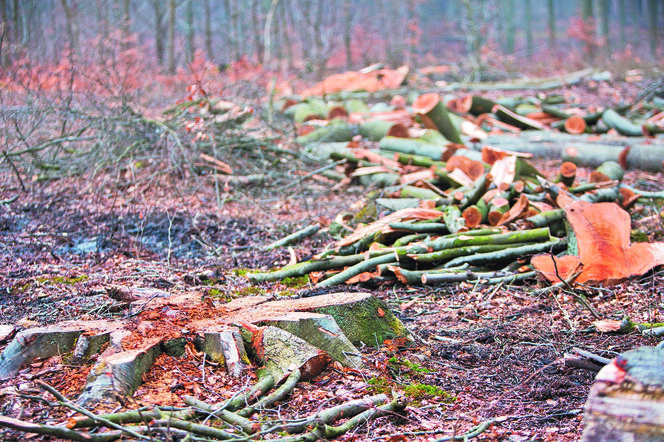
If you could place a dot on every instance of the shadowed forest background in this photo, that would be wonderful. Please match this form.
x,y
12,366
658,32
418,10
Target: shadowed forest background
x,y
135,42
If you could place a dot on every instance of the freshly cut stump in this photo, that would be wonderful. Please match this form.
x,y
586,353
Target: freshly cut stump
x,y
629,404
323,332
43,342
285,335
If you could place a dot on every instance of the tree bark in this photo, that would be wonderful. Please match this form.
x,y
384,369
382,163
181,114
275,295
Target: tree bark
x,y
604,12
508,8
530,46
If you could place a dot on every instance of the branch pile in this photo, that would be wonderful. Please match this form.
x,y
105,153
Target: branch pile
x,y
230,420
447,213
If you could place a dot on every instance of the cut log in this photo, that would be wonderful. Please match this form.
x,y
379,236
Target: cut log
x,y
621,124
338,130
374,130
512,118
575,125
626,403
413,146
567,174
431,109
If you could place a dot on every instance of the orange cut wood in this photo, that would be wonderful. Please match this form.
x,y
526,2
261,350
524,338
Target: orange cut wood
x,y
602,231
575,125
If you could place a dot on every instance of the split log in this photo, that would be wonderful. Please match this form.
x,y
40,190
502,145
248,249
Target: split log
x,y
512,118
627,400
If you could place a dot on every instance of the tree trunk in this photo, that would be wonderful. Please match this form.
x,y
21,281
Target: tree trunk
x,y
551,17
171,37
412,33
267,34
4,59
348,33
190,31
285,28
508,8
530,47
622,16
126,16
652,27
589,19
604,11
71,15
256,21
208,30
159,31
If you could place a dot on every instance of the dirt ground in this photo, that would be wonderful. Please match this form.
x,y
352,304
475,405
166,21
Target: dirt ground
x,y
497,352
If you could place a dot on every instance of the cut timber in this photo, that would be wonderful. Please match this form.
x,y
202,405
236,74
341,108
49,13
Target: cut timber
x,y
118,374
434,114
336,131
601,232
323,332
628,405
621,124
507,116
413,146
567,173
282,352
575,125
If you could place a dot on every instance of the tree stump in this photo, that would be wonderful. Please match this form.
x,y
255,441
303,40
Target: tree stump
x,y
285,335
626,403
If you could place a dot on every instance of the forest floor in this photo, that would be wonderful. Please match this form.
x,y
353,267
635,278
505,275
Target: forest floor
x,y
496,351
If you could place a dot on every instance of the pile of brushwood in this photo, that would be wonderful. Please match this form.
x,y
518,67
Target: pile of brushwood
x,y
450,207
235,414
